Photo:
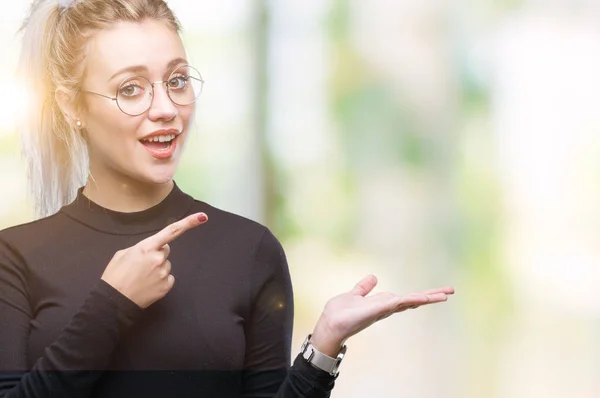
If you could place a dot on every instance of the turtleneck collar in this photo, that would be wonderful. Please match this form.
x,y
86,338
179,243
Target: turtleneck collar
x,y
172,208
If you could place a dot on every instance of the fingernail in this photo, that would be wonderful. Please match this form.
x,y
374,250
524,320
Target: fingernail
x,y
202,217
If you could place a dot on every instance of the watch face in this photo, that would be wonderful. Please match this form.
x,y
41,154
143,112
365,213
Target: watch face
x,y
338,361
304,345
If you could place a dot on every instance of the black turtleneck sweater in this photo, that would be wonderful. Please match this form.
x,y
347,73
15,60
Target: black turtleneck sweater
x,y
224,330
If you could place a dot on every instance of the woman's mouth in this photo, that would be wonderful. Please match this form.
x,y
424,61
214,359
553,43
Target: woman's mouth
x,y
161,146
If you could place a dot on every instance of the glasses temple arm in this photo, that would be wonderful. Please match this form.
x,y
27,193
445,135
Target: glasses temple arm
x,y
102,95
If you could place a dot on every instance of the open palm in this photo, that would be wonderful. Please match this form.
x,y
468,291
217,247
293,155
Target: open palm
x,y
348,313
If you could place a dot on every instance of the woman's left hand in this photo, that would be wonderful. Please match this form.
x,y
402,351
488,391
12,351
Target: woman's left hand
x,y
347,314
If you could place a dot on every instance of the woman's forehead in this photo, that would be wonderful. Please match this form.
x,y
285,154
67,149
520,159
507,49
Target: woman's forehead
x,y
150,43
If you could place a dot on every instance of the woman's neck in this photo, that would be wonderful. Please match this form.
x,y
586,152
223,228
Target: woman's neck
x,y
126,196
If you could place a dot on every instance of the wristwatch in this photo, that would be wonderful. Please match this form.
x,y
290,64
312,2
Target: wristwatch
x,y
320,360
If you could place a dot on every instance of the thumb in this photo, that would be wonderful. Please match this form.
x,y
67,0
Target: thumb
x,y
365,286
170,281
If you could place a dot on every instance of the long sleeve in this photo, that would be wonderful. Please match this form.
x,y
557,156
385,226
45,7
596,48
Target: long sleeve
x,y
269,332
73,363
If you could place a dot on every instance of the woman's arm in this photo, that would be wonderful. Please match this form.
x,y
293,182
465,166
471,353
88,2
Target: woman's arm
x,y
270,329
135,278
269,333
73,363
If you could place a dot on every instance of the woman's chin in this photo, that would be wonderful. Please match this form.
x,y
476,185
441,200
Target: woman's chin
x,y
158,177
162,179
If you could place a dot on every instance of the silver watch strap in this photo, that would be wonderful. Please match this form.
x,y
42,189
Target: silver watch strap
x,y
320,360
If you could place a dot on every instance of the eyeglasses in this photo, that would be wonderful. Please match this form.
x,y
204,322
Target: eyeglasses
x,y
134,95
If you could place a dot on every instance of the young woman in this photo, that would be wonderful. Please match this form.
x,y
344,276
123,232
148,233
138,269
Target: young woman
x,y
89,306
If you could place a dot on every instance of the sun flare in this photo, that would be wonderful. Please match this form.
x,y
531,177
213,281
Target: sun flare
x,y
14,101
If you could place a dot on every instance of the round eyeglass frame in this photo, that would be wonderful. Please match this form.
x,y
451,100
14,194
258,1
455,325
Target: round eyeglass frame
x,y
116,97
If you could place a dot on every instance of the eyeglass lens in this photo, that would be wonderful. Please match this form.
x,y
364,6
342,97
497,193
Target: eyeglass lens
x,y
184,85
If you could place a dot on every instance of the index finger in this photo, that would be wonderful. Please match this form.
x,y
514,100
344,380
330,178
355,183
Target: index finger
x,y
174,230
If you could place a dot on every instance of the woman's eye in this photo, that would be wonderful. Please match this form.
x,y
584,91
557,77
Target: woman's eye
x,y
178,82
130,90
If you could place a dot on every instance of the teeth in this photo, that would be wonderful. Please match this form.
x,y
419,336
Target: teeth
x,y
160,138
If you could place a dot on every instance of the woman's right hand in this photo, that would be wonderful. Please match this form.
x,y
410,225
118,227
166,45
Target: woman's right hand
x,y
143,272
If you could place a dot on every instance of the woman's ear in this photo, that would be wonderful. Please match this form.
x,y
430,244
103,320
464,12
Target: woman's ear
x,y
67,105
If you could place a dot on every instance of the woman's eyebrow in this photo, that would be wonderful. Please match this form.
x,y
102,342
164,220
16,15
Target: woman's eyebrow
x,y
142,68
171,65
134,68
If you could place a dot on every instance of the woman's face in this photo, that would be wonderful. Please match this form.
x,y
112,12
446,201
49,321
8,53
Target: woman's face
x,y
118,143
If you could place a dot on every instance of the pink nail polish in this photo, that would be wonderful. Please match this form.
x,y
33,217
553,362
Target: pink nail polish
x,y
202,217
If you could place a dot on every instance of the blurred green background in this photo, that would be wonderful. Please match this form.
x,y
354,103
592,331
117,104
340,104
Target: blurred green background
x,y
427,142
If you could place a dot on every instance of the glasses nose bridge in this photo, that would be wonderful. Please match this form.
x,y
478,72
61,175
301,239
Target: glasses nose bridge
x,y
166,92
161,82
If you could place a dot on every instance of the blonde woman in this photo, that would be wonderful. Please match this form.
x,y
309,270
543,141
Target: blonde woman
x,y
89,306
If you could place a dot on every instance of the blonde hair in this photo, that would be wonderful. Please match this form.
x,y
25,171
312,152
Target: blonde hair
x,y
53,57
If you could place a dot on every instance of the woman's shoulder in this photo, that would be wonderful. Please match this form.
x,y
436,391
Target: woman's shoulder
x,y
34,231
234,224
226,218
